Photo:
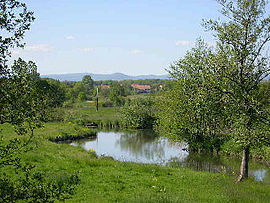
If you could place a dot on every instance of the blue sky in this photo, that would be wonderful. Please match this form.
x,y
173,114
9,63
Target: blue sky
x,y
106,36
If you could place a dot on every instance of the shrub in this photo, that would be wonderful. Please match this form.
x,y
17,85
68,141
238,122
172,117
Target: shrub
x,y
139,113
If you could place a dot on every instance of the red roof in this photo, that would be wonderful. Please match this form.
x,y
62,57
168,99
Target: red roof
x,y
141,87
103,87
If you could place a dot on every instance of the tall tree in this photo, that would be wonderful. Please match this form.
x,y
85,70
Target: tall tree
x,y
117,93
54,90
218,90
15,19
240,67
21,105
88,84
24,106
190,110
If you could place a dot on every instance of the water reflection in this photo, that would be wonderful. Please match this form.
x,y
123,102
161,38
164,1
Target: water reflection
x,y
200,162
145,147
215,164
260,175
142,144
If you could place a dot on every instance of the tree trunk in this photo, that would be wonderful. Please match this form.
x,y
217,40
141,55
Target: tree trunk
x,y
244,165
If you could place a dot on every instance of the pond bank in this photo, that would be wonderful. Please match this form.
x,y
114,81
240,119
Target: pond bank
x,y
143,146
105,180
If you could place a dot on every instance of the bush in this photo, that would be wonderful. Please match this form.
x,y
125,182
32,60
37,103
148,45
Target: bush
x,y
107,104
82,96
139,113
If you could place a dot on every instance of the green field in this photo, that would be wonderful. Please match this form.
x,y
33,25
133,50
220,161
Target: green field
x,y
106,180
83,113
88,110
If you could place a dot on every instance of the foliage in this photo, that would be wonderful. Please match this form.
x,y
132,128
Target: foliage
x,y
190,110
15,19
116,94
139,113
54,90
75,91
263,95
88,84
23,103
25,106
107,103
219,88
82,96
241,65
115,91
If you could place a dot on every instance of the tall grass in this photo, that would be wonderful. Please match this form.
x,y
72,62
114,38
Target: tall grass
x,y
85,114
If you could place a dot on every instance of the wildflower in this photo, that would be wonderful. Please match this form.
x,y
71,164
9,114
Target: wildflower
x,y
91,150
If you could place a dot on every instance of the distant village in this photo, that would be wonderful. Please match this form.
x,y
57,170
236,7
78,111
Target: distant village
x,y
136,87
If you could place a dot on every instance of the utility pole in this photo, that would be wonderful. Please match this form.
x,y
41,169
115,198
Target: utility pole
x,y
97,100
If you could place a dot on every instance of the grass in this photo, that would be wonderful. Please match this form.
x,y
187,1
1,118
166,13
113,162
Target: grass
x,y
65,131
107,180
88,110
83,113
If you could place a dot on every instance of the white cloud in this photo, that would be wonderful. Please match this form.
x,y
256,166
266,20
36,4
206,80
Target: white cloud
x,y
135,51
15,52
87,50
183,43
70,37
211,44
191,43
39,48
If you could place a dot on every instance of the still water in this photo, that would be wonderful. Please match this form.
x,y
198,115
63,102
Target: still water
x,y
145,147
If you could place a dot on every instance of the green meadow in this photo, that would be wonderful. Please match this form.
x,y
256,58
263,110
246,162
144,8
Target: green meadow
x,y
103,179
83,113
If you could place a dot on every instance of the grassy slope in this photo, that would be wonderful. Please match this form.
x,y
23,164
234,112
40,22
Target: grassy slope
x,y
88,110
106,180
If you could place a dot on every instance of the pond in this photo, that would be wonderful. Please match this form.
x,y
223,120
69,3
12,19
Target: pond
x,y
145,147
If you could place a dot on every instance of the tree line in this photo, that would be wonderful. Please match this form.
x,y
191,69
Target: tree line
x,y
112,92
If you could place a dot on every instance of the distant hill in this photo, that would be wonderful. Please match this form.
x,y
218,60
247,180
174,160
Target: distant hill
x,y
96,77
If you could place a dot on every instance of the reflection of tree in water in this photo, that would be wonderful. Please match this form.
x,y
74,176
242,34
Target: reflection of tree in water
x,y
142,143
214,164
201,162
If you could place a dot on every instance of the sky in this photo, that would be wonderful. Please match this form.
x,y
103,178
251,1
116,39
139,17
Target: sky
x,y
134,37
